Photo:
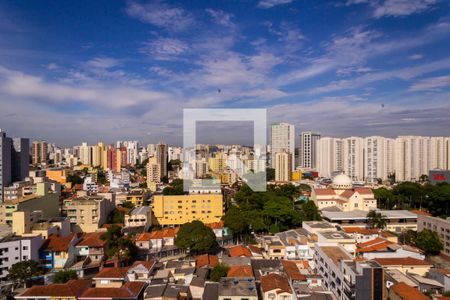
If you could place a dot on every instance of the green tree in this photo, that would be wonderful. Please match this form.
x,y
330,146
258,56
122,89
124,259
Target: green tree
x,y
408,237
65,275
74,179
310,211
376,220
219,271
175,188
235,220
384,197
118,245
20,273
128,204
429,242
270,173
196,237
101,177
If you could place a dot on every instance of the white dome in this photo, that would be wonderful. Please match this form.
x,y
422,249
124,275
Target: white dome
x,y
342,181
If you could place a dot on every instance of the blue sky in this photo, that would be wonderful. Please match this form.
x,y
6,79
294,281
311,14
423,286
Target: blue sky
x,y
73,71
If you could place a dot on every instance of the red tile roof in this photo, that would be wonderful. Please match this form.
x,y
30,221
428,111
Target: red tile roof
x,y
377,244
215,225
57,243
73,288
116,273
239,251
158,234
148,264
277,282
255,249
407,292
92,239
240,271
206,260
364,191
347,193
404,261
324,192
292,270
129,290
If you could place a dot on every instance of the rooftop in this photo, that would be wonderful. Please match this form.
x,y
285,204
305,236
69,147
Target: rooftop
x,y
229,286
240,271
335,253
73,288
406,292
403,261
274,281
362,215
141,210
335,235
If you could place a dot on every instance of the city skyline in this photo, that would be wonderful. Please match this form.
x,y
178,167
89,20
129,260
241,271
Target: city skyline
x,y
374,68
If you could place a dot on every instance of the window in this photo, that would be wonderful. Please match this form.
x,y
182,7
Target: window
x,y
25,247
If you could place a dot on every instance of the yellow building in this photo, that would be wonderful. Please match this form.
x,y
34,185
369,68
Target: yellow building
x,y
137,196
179,209
297,175
218,163
57,174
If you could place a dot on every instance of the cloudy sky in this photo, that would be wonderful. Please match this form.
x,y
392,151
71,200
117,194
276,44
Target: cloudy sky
x,y
73,71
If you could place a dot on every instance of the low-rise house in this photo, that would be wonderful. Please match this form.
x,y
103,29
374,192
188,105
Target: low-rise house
x,y
211,291
197,288
313,227
141,271
402,291
273,247
130,290
71,290
237,288
292,270
427,284
362,235
206,261
166,292
184,275
441,275
256,251
139,217
296,244
239,251
275,287
138,196
379,248
111,278
405,265
240,271
263,267
91,246
149,240
58,252
338,238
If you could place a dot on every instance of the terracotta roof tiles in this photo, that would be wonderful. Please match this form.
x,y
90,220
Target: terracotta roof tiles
x,y
240,271
407,292
239,251
404,261
277,282
116,273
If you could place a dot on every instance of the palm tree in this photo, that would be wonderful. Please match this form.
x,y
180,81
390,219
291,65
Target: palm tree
x,y
376,220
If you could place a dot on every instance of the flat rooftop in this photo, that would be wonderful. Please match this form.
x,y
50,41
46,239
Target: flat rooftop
x,y
362,214
319,224
336,235
237,287
141,210
335,253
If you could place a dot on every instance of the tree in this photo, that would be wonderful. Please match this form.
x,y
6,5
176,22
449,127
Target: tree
x,y
22,271
429,242
408,237
235,220
196,237
384,197
118,245
74,179
310,212
65,275
376,220
270,173
219,271
175,188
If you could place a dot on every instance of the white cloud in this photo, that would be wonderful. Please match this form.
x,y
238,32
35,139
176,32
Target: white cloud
x,y
431,84
272,3
221,17
161,15
416,56
164,48
103,62
399,8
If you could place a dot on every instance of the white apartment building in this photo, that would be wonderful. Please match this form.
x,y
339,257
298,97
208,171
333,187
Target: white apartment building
x,y
14,249
353,158
329,156
84,154
308,145
283,138
378,158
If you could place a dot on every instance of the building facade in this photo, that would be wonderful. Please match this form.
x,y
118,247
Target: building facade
x,y
283,139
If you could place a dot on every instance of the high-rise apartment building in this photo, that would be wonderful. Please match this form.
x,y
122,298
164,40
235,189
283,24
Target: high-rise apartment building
x,y
283,166
283,139
329,156
14,160
161,156
411,157
308,152
39,153
378,158
153,173
353,157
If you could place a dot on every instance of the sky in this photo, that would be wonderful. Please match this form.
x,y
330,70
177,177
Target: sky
x,y
74,71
